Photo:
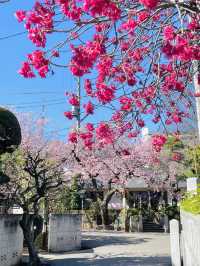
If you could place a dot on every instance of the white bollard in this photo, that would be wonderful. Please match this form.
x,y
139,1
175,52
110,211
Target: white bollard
x,y
175,243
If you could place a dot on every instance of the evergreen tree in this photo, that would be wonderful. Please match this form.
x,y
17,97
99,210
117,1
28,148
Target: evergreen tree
x,y
74,193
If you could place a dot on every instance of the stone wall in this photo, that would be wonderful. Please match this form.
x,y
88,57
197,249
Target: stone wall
x,y
11,240
64,232
190,239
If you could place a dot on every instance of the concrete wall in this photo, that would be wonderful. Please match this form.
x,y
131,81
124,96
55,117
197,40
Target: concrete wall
x,y
190,239
11,240
64,232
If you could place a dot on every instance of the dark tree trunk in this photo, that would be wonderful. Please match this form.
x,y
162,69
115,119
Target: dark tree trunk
x,y
27,227
104,208
104,216
45,224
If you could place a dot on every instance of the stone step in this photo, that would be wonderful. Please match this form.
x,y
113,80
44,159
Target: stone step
x,y
153,231
152,227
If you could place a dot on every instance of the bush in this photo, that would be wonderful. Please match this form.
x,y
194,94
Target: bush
x,y
191,203
173,212
39,241
132,212
113,215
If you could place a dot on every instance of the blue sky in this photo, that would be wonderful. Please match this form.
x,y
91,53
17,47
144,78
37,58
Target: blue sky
x,y
36,95
39,96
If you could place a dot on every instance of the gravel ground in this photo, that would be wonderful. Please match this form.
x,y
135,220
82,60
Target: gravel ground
x,y
120,249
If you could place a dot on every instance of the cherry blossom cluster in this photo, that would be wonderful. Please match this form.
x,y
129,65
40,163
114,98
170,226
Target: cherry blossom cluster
x,y
158,142
36,61
103,133
177,156
134,57
115,164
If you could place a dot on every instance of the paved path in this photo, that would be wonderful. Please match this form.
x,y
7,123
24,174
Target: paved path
x,y
120,249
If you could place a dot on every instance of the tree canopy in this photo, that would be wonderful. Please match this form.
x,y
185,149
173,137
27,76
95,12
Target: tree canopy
x,y
137,58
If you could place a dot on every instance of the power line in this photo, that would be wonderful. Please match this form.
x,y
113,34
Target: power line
x,y
35,102
48,132
33,93
12,35
35,105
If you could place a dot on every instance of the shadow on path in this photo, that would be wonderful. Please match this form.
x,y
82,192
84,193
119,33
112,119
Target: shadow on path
x,y
116,261
91,241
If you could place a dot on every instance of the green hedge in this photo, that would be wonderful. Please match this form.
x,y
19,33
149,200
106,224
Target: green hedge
x,y
191,203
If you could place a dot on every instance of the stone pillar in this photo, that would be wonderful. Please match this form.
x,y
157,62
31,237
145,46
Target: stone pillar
x,y
134,223
166,224
124,202
175,243
140,224
125,207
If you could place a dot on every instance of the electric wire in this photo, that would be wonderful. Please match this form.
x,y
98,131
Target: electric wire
x,y
12,35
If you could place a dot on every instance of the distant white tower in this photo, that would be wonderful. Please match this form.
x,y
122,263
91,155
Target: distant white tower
x,y
145,133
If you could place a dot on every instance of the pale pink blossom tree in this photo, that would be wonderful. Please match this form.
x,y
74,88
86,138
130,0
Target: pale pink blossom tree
x,y
36,169
107,169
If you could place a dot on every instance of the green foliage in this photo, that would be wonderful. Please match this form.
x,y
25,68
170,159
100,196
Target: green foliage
x,y
39,241
10,132
132,212
113,214
191,203
61,202
68,199
124,217
191,157
192,162
10,137
12,164
173,143
173,212
126,213
31,174
150,213
74,194
93,212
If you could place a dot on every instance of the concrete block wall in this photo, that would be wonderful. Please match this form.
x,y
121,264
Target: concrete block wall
x,y
190,239
64,232
11,240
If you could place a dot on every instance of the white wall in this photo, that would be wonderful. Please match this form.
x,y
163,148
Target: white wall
x,y
190,239
64,232
11,240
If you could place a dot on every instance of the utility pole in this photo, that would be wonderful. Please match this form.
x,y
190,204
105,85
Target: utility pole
x,y
196,68
196,71
79,107
46,203
76,110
